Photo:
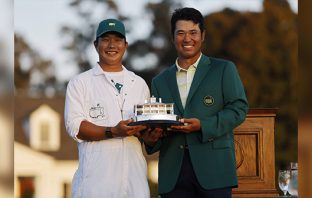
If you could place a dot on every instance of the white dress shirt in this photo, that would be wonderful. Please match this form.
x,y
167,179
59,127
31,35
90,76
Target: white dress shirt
x,y
185,79
114,168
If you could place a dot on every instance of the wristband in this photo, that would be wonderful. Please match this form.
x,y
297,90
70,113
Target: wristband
x,y
108,133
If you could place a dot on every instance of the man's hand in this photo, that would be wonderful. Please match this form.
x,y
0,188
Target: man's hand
x,y
190,125
152,135
122,129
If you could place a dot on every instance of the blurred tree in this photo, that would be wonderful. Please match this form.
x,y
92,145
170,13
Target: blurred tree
x,y
305,62
33,74
80,37
146,57
6,73
264,48
159,42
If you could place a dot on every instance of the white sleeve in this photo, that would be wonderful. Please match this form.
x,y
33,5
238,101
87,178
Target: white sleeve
x,y
147,94
74,112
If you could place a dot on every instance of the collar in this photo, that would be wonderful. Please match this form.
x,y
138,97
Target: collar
x,y
194,65
97,70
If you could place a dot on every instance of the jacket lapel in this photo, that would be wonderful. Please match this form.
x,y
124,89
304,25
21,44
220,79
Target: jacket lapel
x,y
173,86
201,71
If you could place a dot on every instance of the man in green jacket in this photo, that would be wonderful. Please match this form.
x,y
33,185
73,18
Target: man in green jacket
x,y
198,158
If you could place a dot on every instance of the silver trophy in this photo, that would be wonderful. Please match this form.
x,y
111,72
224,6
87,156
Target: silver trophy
x,y
155,114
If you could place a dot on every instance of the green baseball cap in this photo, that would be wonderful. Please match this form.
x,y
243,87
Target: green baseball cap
x,y
110,25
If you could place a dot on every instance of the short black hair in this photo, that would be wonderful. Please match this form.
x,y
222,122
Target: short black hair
x,y
188,14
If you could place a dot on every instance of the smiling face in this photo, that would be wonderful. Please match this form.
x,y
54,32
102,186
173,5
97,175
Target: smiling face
x,y
188,40
111,48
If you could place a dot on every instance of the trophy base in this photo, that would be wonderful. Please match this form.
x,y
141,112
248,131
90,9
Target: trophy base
x,y
164,124
163,117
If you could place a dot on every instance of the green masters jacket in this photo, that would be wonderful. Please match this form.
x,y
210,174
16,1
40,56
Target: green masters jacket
x,y
218,100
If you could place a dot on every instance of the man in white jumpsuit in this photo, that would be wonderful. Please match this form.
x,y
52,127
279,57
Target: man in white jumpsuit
x,y
99,105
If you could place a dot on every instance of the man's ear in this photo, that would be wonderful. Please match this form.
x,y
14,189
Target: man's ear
x,y
95,43
203,35
172,39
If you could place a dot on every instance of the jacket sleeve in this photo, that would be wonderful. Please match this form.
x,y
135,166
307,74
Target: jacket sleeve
x,y
234,110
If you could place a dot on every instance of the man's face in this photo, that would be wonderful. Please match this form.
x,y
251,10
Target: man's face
x,y
111,49
188,39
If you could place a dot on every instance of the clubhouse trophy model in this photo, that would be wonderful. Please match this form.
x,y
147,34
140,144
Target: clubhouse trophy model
x,y
155,114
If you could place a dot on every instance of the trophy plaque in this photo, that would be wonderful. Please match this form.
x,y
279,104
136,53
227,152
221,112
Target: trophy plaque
x,y
155,114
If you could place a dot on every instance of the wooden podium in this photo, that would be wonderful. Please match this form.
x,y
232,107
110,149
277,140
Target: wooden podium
x,y
255,157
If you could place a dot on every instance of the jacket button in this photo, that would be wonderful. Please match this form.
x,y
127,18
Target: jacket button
x,y
181,147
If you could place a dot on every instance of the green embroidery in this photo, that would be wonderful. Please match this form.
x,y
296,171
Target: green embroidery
x,y
208,100
118,87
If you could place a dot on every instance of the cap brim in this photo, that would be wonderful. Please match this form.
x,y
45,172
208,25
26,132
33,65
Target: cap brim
x,y
113,32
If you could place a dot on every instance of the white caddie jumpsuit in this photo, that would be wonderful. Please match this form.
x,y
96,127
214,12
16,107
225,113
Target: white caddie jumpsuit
x,y
113,168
